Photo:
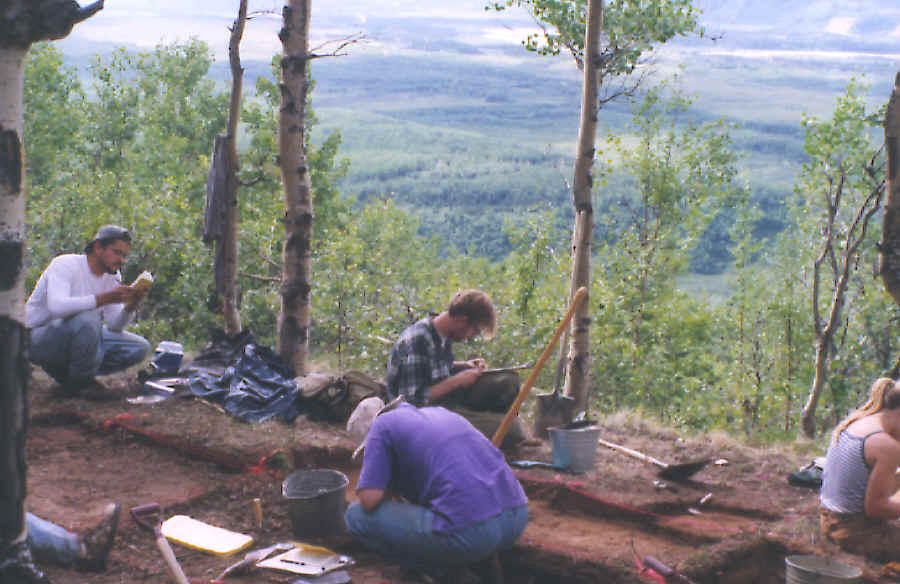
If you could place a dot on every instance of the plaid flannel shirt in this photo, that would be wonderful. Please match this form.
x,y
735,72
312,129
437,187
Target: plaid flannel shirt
x,y
420,358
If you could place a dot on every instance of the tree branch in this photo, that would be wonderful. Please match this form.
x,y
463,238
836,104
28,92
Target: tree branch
x,y
341,45
272,279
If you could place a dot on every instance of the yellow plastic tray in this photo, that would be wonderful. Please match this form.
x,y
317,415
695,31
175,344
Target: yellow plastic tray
x,y
197,535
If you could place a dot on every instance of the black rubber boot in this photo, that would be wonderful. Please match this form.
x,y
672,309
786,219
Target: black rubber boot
x,y
17,567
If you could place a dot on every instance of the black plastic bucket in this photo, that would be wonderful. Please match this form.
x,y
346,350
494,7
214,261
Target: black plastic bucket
x,y
317,501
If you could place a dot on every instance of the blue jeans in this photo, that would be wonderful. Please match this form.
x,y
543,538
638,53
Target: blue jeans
x,y
51,543
76,349
401,532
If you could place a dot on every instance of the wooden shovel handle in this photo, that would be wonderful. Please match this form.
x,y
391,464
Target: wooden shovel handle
x,y
500,434
171,561
633,453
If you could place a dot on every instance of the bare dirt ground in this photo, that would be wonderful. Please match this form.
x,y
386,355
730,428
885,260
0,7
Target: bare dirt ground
x,y
195,460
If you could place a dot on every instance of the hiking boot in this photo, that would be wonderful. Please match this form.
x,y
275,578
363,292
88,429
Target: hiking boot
x,y
17,566
97,542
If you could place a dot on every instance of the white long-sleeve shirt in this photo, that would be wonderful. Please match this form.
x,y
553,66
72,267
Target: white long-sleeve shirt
x,y
68,287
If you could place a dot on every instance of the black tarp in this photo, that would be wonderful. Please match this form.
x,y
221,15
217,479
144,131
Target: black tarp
x,y
248,380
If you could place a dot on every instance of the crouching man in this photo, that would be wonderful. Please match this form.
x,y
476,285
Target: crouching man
x,y
434,493
78,311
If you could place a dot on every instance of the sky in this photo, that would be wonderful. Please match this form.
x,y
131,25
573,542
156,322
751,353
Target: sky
x,y
146,23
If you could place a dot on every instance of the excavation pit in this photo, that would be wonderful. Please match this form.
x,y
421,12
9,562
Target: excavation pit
x,y
591,527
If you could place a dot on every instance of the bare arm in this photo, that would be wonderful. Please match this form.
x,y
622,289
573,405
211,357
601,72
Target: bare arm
x,y
370,499
882,497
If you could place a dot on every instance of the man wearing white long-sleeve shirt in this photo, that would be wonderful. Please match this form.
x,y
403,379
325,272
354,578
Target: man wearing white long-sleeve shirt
x,y
78,311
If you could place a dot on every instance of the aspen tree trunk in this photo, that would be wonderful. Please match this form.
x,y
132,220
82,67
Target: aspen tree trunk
x,y
13,361
294,315
890,231
229,239
578,368
22,22
843,256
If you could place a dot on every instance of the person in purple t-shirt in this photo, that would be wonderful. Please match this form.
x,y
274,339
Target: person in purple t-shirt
x,y
434,493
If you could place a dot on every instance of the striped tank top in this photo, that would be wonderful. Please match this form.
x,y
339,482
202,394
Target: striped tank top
x,y
846,475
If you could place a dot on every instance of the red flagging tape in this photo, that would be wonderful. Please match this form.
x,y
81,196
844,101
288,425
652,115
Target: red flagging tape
x,y
199,452
260,467
578,496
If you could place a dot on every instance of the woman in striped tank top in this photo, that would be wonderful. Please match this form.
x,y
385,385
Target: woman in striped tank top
x,y
859,500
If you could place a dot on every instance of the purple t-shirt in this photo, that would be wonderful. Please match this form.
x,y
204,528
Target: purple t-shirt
x,y
436,458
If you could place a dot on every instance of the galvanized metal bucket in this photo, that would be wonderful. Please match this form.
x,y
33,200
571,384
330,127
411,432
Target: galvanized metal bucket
x,y
575,449
809,569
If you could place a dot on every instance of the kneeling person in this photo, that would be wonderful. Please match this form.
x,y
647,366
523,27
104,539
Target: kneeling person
x,y
462,501
422,369
860,501
78,311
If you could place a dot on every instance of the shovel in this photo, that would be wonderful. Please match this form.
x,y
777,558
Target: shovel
x,y
148,517
672,472
554,409
526,387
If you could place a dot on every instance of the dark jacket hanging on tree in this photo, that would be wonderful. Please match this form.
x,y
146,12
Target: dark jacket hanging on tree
x,y
216,207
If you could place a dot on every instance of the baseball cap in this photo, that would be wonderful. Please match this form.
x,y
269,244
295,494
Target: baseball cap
x,y
362,417
108,233
112,232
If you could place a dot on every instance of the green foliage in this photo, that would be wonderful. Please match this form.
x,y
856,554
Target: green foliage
x,y
56,99
836,188
136,152
630,28
137,155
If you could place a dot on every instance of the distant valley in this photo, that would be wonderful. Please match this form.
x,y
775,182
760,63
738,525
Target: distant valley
x,y
466,134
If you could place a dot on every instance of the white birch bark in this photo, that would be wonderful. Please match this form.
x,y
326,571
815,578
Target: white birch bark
x,y
578,367
294,315
12,185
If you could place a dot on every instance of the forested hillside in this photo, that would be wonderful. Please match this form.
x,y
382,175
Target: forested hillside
x,y
440,171
466,136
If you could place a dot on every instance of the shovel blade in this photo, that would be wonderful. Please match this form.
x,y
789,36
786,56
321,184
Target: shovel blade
x,y
684,471
552,410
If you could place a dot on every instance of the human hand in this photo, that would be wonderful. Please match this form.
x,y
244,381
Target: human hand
x,y
139,293
468,376
118,295
477,363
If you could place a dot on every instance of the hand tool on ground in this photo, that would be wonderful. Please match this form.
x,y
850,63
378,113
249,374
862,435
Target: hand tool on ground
x,y
148,517
251,558
537,464
670,574
526,387
672,472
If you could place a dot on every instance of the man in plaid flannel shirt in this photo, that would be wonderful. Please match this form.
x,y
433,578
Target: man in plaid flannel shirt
x,y
421,366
